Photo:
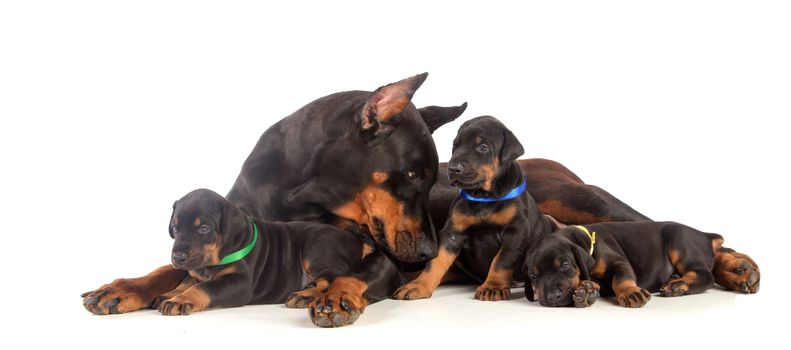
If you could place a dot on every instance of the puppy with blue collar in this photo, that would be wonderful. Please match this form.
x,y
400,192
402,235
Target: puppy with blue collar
x,y
492,221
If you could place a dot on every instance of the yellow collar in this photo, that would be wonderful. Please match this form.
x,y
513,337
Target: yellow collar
x,y
591,235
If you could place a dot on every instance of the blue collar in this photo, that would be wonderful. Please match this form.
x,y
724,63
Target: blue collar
x,y
516,192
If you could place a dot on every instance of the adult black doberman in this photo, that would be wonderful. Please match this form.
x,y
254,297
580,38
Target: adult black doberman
x,y
363,161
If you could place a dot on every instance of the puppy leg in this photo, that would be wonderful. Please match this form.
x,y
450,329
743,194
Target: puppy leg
x,y
347,296
450,242
186,284
695,272
624,284
227,288
131,294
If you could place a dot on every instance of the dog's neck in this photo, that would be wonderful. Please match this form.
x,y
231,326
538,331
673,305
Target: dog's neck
x,y
503,183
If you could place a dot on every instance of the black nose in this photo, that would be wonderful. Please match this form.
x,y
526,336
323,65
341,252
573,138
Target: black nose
x,y
554,296
427,250
455,168
180,257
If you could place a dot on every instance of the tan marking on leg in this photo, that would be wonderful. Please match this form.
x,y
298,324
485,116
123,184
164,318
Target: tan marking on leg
x,y
197,222
675,259
192,300
497,285
306,268
425,284
303,298
629,294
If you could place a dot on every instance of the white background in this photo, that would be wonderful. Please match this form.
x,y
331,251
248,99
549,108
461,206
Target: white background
x,y
112,110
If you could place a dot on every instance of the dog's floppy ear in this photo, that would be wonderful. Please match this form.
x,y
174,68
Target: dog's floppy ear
x,y
436,116
232,221
170,223
511,149
528,283
584,261
384,103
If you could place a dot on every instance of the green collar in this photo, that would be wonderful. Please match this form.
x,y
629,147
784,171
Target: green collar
x,y
241,253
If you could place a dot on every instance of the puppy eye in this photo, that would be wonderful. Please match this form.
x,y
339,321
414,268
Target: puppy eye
x,y
533,277
203,229
483,148
565,265
411,175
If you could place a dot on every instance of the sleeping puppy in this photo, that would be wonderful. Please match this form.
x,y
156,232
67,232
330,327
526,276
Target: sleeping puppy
x,y
491,221
630,260
235,260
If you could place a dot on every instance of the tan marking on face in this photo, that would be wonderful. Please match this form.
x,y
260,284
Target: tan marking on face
x,y
725,264
200,277
568,215
489,172
599,268
211,253
375,202
196,222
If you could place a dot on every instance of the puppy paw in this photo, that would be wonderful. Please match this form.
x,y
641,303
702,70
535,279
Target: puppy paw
x,y
336,309
118,297
633,297
674,288
174,307
737,272
586,294
413,291
492,292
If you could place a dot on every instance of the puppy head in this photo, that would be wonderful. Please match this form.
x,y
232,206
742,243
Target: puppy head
x,y
554,267
202,224
482,150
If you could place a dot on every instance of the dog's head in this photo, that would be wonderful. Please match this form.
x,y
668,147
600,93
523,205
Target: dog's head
x,y
205,227
553,268
379,168
482,151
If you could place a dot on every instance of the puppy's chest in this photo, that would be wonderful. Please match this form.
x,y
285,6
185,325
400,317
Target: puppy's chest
x,y
466,215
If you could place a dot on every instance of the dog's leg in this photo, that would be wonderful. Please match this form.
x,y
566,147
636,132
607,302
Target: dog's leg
x,y
624,284
497,285
696,275
131,294
428,280
227,288
347,296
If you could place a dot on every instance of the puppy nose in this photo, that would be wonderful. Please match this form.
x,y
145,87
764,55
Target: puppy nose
x,y
554,296
455,168
180,257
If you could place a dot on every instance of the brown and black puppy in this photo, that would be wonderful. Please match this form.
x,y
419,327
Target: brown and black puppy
x,y
492,220
630,260
235,260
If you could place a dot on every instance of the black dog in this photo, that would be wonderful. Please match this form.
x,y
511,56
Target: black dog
x,y
630,260
362,161
234,260
491,222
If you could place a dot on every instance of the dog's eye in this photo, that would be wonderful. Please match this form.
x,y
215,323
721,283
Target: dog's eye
x,y
411,175
565,265
483,148
533,277
204,229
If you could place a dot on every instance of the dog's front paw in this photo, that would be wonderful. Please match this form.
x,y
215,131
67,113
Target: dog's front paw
x,y
413,291
336,309
303,298
173,307
633,297
489,291
586,294
674,288
120,296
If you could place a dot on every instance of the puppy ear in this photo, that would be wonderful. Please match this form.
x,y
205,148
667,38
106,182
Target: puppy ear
x,y
512,148
528,283
232,221
384,103
584,262
436,116
170,223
